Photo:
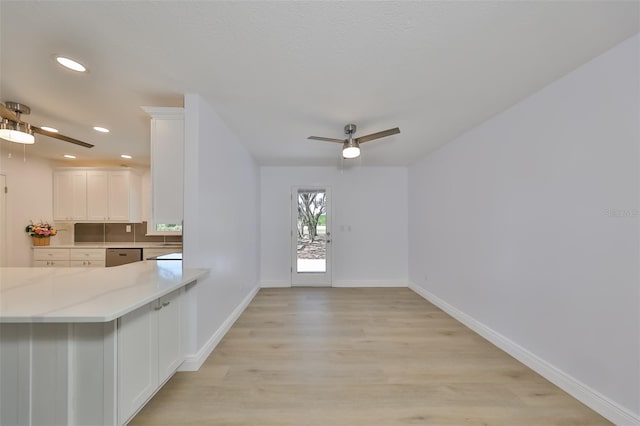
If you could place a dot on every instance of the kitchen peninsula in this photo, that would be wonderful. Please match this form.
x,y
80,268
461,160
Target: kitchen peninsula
x,y
89,346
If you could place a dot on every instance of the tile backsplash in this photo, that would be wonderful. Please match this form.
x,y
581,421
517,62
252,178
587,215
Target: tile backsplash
x,y
116,232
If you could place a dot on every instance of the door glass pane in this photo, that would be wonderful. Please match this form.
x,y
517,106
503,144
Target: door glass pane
x,y
312,225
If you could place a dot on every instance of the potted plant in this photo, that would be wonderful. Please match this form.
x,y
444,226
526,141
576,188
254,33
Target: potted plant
x,y
41,233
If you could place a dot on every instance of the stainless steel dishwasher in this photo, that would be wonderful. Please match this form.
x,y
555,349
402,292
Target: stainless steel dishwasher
x,y
122,256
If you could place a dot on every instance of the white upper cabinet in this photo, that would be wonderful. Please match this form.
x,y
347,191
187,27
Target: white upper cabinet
x,y
124,196
97,195
70,195
167,166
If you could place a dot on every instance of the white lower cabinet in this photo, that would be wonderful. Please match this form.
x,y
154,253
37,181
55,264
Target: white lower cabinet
x,y
82,374
87,258
50,258
170,348
149,352
137,360
64,257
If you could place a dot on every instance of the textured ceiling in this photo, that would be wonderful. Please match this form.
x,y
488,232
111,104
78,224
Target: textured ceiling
x,y
278,72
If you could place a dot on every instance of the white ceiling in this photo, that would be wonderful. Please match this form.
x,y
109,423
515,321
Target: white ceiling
x,y
278,72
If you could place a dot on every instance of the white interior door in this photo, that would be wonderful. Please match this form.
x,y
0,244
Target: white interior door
x,y
311,236
3,221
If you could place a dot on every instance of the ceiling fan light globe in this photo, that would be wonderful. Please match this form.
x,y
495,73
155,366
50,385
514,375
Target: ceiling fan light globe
x,y
16,132
351,152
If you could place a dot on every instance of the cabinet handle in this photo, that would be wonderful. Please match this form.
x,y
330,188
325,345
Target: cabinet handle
x,y
166,303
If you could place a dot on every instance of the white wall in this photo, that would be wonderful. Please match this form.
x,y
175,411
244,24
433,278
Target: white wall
x,y
516,224
372,201
29,198
220,219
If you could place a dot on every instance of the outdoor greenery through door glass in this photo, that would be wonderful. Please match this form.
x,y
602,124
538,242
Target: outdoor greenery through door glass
x,y
312,227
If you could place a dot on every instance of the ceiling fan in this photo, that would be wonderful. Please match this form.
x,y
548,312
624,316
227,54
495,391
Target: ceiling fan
x,y
15,130
351,146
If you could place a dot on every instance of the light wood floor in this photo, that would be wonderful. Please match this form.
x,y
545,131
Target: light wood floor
x,y
309,356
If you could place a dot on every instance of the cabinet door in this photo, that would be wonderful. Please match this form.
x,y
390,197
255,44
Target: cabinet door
x,y
167,156
62,195
170,352
118,196
70,195
137,359
97,195
79,195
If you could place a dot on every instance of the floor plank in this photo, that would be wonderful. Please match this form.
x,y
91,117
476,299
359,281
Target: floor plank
x,y
365,356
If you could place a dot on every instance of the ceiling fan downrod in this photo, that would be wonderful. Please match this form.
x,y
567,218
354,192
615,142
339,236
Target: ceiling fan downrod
x,y
349,129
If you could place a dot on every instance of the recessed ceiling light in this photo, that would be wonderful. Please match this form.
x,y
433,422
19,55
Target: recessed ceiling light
x,y
101,129
49,129
71,64
69,156
128,157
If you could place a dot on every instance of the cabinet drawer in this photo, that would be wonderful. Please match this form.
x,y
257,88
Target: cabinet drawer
x,y
50,254
87,263
87,254
50,263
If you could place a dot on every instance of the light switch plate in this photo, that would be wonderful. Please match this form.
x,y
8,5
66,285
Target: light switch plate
x,y
128,228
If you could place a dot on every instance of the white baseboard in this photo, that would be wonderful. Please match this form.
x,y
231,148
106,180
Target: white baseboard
x,y
342,283
274,284
195,361
583,393
370,283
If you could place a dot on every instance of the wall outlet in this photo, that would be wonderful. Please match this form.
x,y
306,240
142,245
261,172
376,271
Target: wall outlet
x,y
128,228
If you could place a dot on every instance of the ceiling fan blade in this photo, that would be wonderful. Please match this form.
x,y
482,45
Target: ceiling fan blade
x,y
382,134
61,137
319,138
8,114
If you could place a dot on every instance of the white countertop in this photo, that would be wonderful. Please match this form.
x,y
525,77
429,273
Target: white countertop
x,y
141,244
87,294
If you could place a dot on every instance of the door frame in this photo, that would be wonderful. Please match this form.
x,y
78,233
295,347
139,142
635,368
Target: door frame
x,y
3,220
310,279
